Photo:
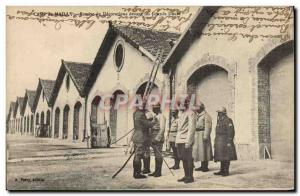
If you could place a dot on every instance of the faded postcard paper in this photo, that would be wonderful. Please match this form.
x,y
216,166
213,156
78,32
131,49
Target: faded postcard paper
x,y
150,98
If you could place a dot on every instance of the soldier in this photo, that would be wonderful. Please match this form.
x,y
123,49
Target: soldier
x,y
202,149
224,146
172,137
147,144
184,141
141,126
157,139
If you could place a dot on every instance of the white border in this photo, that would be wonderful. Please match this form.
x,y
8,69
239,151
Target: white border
x,y
5,3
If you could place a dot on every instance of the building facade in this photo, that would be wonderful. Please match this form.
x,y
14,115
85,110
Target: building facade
x,y
42,108
253,79
68,101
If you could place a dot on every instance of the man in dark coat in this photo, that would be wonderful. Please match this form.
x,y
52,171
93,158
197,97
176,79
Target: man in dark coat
x,y
224,146
141,127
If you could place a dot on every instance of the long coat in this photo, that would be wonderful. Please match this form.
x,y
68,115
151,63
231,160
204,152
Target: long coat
x,y
202,150
224,146
186,128
141,127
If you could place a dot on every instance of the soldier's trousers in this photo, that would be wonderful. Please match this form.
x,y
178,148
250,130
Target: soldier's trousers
x,y
157,149
146,149
175,151
138,151
186,155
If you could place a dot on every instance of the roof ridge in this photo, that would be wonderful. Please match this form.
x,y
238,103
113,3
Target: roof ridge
x,y
146,29
76,62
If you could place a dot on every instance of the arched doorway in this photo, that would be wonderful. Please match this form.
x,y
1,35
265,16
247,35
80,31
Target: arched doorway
x,y
56,123
42,125
28,120
211,86
275,82
47,126
21,130
66,122
37,119
141,90
76,121
118,119
31,124
24,124
95,110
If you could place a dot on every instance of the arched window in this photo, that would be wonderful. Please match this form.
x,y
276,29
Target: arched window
x,y
119,56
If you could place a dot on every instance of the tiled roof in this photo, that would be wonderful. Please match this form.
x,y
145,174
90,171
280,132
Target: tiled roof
x,y
145,40
12,106
79,73
20,101
150,40
48,86
31,97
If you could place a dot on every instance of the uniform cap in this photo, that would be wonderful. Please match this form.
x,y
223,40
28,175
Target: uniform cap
x,y
222,110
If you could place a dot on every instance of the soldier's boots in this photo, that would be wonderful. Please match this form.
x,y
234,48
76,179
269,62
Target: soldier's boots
x,y
204,167
137,170
176,165
146,169
190,170
226,168
222,169
184,163
158,165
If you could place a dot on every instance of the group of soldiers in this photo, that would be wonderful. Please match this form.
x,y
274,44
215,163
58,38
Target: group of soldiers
x,y
189,139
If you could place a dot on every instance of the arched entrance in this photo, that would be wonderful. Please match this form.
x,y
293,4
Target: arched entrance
x,y
275,88
211,86
95,110
31,124
47,126
118,119
42,125
66,122
76,121
28,120
141,90
24,124
56,123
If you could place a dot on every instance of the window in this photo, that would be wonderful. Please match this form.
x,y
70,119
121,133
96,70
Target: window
x,y
43,96
119,56
68,82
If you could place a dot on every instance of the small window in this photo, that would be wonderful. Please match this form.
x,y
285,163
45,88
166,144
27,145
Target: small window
x,y
43,96
68,82
119,56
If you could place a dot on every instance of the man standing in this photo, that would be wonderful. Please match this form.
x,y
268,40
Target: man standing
x,y
157,139
141,126
147,144
202,149
224,146
172,138
184,141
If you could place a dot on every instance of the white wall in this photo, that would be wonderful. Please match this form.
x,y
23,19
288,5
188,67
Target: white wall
x,y
68,97
135,71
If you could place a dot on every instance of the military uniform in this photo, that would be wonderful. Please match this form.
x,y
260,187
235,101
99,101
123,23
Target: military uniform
x,y
202,149
172,138
141,127
147,144
157,140
224,146
184,141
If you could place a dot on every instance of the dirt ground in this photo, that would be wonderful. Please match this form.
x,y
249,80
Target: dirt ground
x,y
47,164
